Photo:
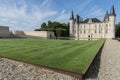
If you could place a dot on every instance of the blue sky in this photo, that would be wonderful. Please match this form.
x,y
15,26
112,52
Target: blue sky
x,y
29,14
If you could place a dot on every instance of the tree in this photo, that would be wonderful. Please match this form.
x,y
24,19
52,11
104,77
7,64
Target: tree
x,y
50,26
60,29
37,30
43,27
117,30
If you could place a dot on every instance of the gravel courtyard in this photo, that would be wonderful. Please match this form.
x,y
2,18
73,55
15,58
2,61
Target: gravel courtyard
x,y
107,63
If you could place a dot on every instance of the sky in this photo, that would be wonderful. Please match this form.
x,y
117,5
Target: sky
x,y
28,15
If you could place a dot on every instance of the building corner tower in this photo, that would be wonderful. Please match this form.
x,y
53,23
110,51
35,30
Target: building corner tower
x,y
112,19
71,25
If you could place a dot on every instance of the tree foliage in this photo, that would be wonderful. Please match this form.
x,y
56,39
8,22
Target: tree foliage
x,y
117,30
60,29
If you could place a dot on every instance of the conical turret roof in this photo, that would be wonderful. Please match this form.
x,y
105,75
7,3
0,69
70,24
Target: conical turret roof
x,y
112,11
106,16
72,15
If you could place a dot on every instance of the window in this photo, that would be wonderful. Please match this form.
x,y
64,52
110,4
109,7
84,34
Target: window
x,y
83,26
109,25
99,31
99,26
95,31
95,26
72,30
75,31
84,31
106,25
106,31
89,31
81,31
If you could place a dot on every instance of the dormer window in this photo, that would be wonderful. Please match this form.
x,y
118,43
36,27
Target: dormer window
x,y
90,21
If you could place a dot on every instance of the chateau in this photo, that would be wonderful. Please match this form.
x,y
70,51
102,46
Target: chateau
x,y
93,27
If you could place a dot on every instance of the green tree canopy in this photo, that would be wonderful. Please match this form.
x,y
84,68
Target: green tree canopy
x,y
117,30
43,27
60,29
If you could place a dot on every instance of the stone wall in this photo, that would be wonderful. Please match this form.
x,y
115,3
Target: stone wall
x,y
43,34
14,70
4,31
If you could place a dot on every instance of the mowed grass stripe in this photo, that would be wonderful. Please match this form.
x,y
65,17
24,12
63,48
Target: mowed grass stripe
x,y
17,46
65,59
84,58
72,55
45,53
60,56
51,51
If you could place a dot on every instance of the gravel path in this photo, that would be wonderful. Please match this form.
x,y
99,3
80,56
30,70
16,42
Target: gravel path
x,y
14,70
107,64
110,61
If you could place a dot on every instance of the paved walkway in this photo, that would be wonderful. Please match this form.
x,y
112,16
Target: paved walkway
x,y
107,64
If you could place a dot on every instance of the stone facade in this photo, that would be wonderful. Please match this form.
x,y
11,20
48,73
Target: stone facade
x,y
4,31
93,27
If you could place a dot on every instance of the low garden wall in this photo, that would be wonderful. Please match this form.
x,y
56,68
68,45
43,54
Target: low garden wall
x,y
40,34
4,31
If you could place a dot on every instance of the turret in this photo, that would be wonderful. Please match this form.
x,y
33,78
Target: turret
x,y
71,29
72,16
106,17
112,15
112,11
112,18
77,26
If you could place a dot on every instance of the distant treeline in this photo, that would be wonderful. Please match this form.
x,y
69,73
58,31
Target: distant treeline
x,y
60,29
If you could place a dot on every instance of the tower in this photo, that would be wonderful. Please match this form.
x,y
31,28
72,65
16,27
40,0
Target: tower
x,y
77,26
112,18
71,24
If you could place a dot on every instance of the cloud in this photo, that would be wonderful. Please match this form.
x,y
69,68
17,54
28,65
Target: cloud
x,y
44,3
84,4
63,16
95,11
19,16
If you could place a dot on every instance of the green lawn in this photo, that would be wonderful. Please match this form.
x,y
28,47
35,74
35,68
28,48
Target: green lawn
x,y
71,55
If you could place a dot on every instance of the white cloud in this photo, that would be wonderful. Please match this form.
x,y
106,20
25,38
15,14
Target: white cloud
x,y
20,17
95,11
44,3
63,16
84,4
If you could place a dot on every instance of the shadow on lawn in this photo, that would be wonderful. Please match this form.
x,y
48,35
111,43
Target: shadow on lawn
x,y
92,72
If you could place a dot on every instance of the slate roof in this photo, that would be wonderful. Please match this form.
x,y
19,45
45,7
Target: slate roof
x,y
94,20
72,16
106,16
112,11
